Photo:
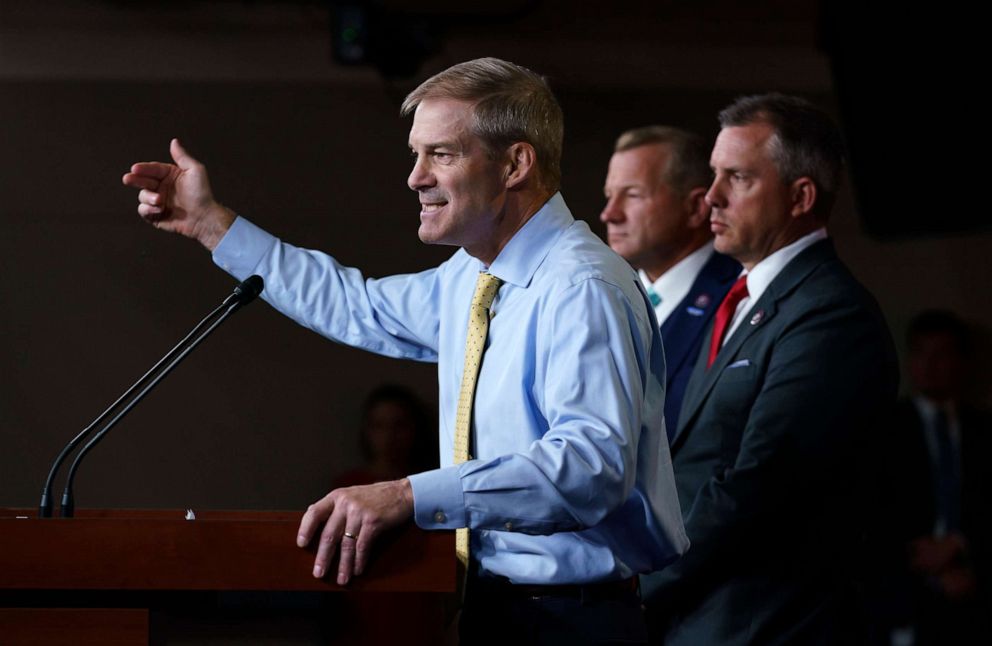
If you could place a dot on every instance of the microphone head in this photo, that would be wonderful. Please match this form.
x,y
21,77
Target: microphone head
x,y
249,289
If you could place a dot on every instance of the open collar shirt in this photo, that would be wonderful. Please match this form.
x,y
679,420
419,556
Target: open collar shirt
x,y
571,480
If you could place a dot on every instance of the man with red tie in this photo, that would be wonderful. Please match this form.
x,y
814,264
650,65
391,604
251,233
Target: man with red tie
x,y
777,431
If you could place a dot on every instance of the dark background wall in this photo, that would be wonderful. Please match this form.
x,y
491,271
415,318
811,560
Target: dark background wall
x,y
265,413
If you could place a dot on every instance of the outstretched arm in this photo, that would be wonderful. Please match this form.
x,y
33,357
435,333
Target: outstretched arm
x,y
176,197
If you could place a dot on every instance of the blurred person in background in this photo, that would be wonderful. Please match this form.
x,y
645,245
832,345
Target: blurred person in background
x,y
937,590
396,437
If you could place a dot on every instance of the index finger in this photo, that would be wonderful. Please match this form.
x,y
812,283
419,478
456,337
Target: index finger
x,y
316,514
158,170
141,181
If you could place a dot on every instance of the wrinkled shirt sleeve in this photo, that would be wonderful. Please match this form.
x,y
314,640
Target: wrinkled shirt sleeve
x,y
391,316
589,390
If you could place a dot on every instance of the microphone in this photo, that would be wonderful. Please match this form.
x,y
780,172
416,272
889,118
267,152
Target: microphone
x,y
244,293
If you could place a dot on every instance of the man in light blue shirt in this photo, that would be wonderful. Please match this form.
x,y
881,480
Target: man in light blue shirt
x,y
570,493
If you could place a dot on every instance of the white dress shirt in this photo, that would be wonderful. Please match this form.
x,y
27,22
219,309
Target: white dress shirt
x,y
674,285
763,273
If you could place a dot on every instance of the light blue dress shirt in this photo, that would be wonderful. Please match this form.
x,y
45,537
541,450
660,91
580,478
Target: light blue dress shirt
x,y
572,479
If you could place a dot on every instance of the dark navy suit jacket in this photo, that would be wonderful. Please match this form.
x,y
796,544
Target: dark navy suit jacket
x,y
910,598
683,331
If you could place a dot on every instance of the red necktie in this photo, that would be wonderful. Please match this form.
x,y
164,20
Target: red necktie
x,y
724,315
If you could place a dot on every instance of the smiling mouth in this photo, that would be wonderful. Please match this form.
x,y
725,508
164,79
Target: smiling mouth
x,y
431,207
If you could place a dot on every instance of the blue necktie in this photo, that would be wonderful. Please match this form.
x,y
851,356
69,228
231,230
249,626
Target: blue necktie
x,y
947,481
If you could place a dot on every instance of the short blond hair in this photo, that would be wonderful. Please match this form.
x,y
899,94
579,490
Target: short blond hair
x,y
510,104
688,164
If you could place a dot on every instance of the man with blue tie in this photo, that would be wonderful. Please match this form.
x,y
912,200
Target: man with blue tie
x,y
657,219
937,482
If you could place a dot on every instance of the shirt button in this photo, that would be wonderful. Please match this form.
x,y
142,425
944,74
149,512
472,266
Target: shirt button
x,y
439,517
508,526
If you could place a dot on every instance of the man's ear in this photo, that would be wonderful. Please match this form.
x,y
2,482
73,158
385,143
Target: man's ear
x,y
803,194
521,164
696,207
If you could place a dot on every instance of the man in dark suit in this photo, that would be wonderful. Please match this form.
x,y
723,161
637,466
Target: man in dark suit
x,y
939,491
657,219
776,443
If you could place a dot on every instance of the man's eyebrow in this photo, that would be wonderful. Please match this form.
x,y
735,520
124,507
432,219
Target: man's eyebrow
x,y
438,144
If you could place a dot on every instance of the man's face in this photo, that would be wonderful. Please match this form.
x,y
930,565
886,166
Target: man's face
x,y
751,206
461,189
645,217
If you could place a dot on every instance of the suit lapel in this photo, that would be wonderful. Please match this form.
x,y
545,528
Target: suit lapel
x,y
680,330
703,380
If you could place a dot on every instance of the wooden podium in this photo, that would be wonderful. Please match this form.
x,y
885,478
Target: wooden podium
x,y
123,576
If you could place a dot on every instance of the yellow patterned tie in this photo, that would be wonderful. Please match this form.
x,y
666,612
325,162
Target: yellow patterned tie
x,y
475,343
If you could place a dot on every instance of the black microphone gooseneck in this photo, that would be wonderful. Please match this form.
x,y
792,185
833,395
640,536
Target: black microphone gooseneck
x,y
243,294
